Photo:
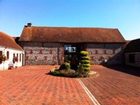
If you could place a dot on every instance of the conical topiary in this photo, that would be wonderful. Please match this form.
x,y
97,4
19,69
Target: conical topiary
x,y
84,65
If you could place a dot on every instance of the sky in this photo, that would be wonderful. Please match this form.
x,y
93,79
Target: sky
x,y
121,14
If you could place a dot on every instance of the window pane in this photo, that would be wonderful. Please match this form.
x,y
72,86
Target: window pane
x,y
0,56
7,54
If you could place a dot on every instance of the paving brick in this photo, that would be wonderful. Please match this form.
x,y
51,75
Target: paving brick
x,y
114,87
31,85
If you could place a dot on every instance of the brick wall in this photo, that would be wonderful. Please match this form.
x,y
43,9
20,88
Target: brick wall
x,y
101,52
53,53
43,53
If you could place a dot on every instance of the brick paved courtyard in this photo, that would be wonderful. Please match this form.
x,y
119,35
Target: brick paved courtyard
x,y
31,85
114,87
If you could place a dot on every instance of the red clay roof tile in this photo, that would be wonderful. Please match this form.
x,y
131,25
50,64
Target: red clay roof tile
x,y
71,35
133,46
8,42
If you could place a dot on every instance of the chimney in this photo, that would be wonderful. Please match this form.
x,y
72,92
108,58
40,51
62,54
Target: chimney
x,y
29,24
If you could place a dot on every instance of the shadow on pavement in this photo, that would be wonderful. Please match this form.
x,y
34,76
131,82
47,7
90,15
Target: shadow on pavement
x,y
126,69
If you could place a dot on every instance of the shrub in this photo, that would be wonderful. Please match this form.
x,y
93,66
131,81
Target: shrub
x,y
85,61
85,58
84,66
65,66
82,71
68,73
56,73
64,70
84,53
65,73
87,69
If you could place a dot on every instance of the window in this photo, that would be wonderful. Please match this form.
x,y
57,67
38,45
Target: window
x,y
0,53
7,54
1,57
70,48
20,58
17,57
13,57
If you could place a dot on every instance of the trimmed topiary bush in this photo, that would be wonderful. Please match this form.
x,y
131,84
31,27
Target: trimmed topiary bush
x,y
85,57
85,61
65,66
64,70
82,71
84,53
64,73
84,65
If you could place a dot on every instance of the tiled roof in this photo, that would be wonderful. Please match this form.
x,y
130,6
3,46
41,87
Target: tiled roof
x,y
71,35
8,42
133,46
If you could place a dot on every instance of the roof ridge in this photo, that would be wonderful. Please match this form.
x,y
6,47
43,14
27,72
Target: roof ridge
x,y
7,35
72,27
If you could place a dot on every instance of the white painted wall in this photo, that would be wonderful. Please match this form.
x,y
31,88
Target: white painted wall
x,y
5,64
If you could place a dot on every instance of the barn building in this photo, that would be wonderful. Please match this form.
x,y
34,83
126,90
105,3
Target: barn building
x,y
132,53
52,45
11,54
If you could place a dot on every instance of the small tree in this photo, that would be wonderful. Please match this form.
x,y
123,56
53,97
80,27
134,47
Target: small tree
x,y
84,65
